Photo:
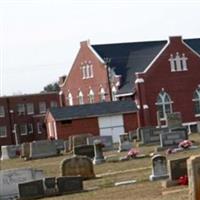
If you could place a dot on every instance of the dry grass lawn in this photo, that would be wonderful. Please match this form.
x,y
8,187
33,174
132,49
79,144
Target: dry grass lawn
x,y
112,172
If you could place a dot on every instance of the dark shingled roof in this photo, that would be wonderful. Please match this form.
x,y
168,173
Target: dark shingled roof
x,y
128,58
91,110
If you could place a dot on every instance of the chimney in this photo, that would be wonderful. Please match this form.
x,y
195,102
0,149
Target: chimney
x,y
85,43
175,39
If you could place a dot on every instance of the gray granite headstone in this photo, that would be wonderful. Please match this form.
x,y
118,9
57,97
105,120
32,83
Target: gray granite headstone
x,y
42,149
84,150
10,179
10,151
31,189
174,120
50,186
81,139
159,168
177,168
70,184
124,143
98,151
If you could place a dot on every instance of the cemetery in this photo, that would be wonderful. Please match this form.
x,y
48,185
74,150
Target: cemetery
x,y
80,172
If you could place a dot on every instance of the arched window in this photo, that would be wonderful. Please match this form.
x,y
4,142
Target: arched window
x,y
80,97
114,91
164,104
196,99
91,96
102,95
70,99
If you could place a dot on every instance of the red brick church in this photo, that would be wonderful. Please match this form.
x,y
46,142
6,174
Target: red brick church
x,y
160,76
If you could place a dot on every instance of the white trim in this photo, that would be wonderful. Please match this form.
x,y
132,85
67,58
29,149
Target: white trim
x,y
55,128
50,130
60,93
191,49
189,123
138,106
152,62
197,115
95,53
145,106
139,80
124,95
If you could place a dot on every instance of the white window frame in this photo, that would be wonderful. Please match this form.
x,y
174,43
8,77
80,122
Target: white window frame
x,y
4,130
30,125
25,129
197,100
91,96
102,94
87,71
42,107
39,127
70,99
114,92
21,109
30,108
162,95
2,111
80,98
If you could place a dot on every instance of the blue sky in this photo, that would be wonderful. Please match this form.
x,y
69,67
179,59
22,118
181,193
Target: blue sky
x,y
39,39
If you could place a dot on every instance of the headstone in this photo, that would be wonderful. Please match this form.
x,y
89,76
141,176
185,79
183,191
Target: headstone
x,y
132,135
31,189
174,120
50,186
105,140
70,143
66,146
172,139
98,151
42,149
59,143
151,135
81,139
124,143
10,179
10,151
77,166
84,150
25,152
177,168
198,127
159,168
70,184
193,165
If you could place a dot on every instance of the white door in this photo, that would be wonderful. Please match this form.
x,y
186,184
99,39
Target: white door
x,y
111,125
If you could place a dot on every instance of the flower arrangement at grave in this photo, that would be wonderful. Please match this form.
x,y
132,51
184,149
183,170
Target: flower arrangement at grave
x,y
185,144
133,153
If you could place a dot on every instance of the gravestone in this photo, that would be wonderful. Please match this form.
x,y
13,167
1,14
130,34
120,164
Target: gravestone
x,y
105,140
69,184
132,135
124,143
70,143
10,151
42,149
66,146
177,168
151,135
50,186
193,165
172,139
84,150
10,179
98,151
59,143
198,127
81,139
31,189
174,120
159,168
25,152
77,166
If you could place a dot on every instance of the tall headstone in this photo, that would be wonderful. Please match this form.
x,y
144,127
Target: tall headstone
x,y
84,150
10,151
174,120
25,152
77,166
98,151
177,168
193,165
159,168
10,179
124,143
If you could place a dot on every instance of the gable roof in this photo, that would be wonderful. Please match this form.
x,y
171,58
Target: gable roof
x,y
93,110
128,58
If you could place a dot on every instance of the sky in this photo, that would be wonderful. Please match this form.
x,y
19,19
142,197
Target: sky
x,y
39,39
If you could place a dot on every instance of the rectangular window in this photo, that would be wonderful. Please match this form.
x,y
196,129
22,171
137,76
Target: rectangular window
x,y
160,110
197,107
23,129
30,128
20,109
3,131
2,111
30,108
42,107
39,127
53,104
